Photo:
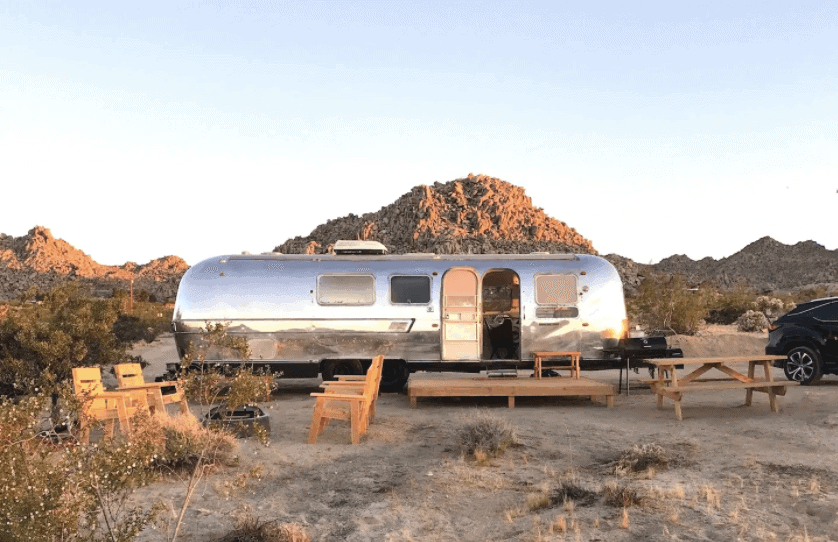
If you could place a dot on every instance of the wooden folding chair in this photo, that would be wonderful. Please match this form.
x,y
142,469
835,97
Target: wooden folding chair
x,y
350,400
101,405
129,376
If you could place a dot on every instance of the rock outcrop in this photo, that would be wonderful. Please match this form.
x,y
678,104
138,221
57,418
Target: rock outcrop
x,y
38,259
474,215
765,264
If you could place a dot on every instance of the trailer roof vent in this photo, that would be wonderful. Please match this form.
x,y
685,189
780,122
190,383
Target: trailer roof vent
x,y
344,247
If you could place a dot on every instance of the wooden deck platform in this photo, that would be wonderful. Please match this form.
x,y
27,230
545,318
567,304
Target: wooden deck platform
x,y
429,385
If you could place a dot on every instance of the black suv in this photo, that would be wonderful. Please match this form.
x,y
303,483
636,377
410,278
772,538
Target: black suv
x,y
808,335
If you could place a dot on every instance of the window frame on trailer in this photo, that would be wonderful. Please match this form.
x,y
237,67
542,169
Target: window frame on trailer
x,y
557,304
410,275
342,304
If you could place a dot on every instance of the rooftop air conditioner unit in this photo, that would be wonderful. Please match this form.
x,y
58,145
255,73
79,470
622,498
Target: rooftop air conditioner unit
x,y
343,247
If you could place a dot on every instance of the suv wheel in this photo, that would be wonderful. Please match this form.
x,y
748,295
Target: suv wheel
x,y
803,365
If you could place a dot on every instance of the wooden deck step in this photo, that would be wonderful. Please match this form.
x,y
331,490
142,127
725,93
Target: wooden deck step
x,y
470,386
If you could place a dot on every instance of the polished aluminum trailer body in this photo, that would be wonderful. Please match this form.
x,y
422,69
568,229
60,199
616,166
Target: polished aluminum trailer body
x,y
304,310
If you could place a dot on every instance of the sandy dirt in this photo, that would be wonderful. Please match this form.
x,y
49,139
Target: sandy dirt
x,y
738,473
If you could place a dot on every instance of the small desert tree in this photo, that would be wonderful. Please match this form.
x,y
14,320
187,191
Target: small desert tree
x,y
40,344
210,384
667,302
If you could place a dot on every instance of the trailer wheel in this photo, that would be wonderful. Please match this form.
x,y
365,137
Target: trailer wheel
x,y
394,376
333,368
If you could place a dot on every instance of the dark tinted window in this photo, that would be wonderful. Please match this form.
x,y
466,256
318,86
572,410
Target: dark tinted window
x,y
828,311
410,289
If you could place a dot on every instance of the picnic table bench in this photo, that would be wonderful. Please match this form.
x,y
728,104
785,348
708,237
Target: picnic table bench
x,y
669,385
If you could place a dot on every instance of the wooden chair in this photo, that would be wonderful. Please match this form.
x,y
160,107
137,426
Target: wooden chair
x,y
347,401
129,376
101,405
355,384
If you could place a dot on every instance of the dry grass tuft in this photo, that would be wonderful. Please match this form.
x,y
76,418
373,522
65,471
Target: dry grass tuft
x,y
176,443
487,434
623,495
624,519
570,493
648,457
559,525
711,495
538,501
250,529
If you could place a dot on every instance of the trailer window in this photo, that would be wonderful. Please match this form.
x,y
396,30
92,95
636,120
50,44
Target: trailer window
x,y
414,290
555,289
346,289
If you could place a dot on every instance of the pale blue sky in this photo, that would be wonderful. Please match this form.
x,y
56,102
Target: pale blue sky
x,y
136,131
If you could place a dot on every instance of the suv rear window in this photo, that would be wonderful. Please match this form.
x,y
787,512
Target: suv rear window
x,y
817,309
827,311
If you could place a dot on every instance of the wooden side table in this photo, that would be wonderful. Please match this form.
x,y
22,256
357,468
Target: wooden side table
x,y
573,367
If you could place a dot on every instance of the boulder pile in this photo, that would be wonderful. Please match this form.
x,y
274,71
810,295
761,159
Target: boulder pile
x,y
474,215
38,259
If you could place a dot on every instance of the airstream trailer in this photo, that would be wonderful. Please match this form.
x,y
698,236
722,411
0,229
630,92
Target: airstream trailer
x,y
330,314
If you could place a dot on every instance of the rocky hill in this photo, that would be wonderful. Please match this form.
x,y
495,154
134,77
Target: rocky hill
x,y
474,215
39,259
765,264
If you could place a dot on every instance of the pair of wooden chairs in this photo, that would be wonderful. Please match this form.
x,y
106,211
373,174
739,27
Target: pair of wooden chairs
x,y
349,398
134,395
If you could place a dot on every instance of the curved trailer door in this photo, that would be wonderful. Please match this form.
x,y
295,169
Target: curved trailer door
x,y
461,333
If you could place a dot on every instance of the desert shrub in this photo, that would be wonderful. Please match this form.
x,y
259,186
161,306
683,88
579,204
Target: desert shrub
x,y
128,329
642,458
52,491
622,495
250,529
666,302
725,306
485,433
185,441
812,292
772,307
40,344
570,490
752,321
155,318
224,386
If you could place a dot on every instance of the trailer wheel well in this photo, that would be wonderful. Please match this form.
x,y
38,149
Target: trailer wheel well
x,y
331,368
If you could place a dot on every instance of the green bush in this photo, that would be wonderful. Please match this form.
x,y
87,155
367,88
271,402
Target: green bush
x,y
130,329
154,317
40,344
665,302
725,306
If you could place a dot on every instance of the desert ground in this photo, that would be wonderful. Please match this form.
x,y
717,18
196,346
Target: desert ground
x,y
730,472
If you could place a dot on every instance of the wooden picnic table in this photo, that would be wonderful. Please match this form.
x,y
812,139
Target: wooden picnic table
x,y
570,363
669,385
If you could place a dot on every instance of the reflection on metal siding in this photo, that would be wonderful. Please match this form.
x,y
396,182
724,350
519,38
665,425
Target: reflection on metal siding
x,y
560,312
555,289
346,289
